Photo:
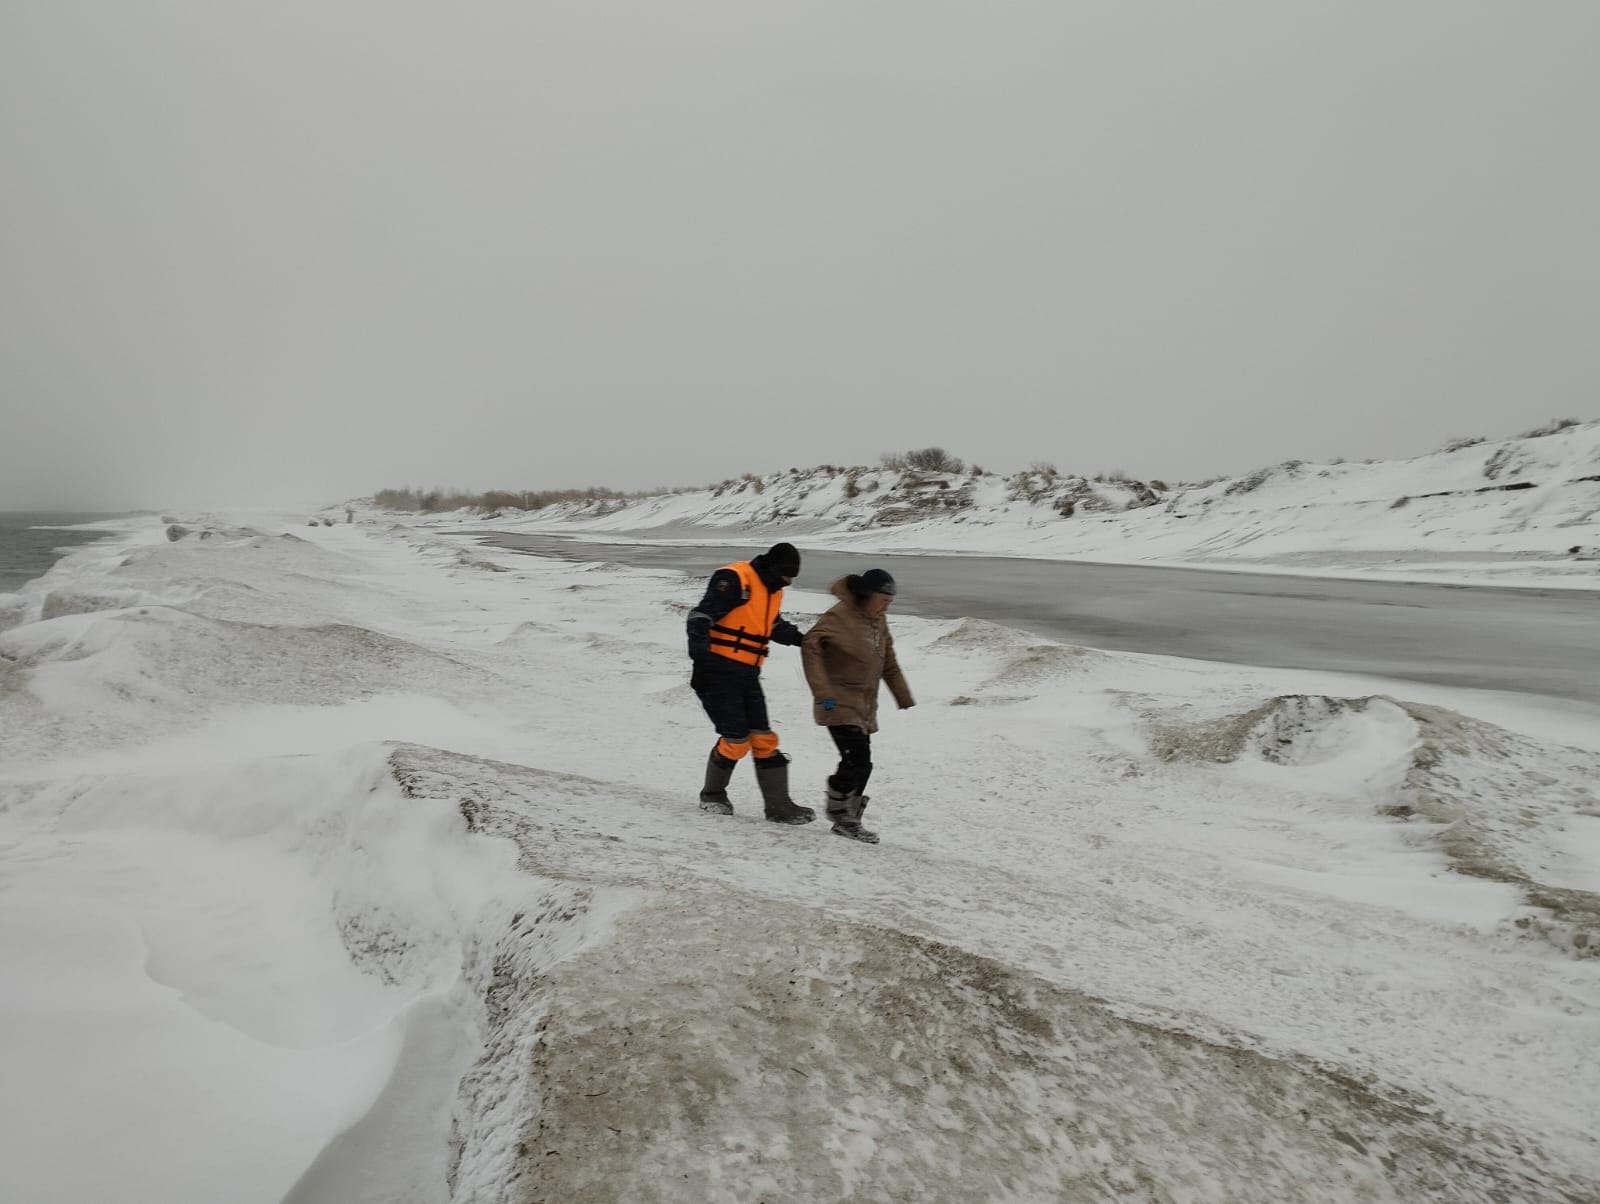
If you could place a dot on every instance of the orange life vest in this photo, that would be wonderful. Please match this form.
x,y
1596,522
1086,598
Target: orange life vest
x,y
743,633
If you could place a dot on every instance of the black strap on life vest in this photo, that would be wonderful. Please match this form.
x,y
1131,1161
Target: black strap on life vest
x,y
739,640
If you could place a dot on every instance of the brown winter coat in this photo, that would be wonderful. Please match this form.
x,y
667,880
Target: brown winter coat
x,y
846,656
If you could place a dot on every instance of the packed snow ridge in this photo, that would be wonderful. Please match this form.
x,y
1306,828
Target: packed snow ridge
x,y
1517,511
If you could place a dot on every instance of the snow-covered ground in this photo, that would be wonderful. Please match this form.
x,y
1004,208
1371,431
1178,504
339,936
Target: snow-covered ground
x,y
353,863
1522,511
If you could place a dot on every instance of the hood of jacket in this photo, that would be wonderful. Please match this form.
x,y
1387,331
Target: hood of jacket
x,y
840,589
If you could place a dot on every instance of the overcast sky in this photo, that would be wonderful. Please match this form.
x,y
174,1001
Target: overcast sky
x,y
296,251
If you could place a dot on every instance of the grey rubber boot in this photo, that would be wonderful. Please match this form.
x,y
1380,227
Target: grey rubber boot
x,y
847,820
838,808
714,796
772,775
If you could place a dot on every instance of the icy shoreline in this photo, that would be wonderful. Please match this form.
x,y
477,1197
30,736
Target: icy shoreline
x,y
1500,570
1521,513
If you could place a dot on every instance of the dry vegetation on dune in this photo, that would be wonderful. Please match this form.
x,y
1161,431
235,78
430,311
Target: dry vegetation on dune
x,y
921,465
918,464
434,501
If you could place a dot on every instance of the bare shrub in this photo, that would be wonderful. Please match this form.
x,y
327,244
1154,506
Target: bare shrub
x,y
1160,485
1500,461
503,499
1043,468
1455,445
894,461
1253,481
933,459
538,499
434,501
396,499
1030,486
1554,427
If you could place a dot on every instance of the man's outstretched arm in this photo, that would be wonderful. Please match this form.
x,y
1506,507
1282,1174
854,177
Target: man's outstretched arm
x,y
724,592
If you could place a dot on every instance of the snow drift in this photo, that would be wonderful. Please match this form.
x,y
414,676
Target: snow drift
x,y
339,868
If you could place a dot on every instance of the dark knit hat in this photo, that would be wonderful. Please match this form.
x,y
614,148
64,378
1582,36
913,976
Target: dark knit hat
x,y
784,559
875,581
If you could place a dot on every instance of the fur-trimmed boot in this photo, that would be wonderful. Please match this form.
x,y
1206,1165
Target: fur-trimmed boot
x,y
845,812
714,795
838,809
772,775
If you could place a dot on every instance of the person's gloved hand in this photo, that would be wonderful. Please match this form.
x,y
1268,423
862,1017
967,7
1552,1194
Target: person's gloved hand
x,y
699,678
826,704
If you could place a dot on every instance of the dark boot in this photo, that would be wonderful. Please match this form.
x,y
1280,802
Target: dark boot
x,y
772,775
838,809
847,819
714,797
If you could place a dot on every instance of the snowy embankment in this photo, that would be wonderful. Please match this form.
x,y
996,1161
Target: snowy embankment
x,y
1515,512
347,863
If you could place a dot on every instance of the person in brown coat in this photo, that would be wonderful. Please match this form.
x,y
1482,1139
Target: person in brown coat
x,y
847,654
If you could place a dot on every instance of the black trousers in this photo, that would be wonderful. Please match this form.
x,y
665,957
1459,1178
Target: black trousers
x,y
733,701
855,759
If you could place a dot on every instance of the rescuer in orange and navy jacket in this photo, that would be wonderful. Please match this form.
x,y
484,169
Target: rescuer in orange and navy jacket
x,y
730,634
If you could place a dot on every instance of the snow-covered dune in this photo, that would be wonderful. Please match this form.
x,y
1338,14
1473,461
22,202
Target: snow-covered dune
x,y
342,864
1514,511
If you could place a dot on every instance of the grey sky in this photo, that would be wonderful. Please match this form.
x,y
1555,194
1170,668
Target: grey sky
x,y
296,251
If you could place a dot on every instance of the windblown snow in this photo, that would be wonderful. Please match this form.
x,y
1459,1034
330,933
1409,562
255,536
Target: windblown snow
x,y
341,863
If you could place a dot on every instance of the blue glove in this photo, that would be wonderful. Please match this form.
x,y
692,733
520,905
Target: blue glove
x,y
827,704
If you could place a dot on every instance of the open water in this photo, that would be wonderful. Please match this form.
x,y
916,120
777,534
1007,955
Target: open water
x,y
1537,641
30,542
